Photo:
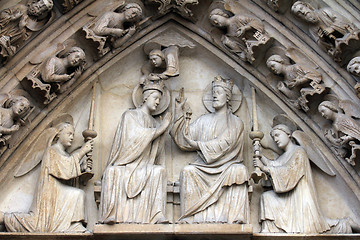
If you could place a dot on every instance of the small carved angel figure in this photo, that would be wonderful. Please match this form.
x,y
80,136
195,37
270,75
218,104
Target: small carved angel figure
x,y
57,206
354,66
243,33
17,23
345,131
282,209
12,113
162,64
56,75
110,27
330,29
299,81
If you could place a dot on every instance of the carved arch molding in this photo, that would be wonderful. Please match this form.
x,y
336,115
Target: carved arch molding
x,y
111,76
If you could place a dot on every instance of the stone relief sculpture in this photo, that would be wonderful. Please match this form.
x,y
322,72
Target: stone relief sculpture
x,y
134,183
344,133
300,80
163,52
333,32
180,6
109,29
57,206
18,22
166,59
245,35
279,5
56,75
292,205
353,67
14,111
213,189
69,4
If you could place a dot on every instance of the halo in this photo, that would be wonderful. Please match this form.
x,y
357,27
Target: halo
x,y
235,101
164,102
285,120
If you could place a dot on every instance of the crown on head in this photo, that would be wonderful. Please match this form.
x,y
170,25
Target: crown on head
x,y
222,82
154,85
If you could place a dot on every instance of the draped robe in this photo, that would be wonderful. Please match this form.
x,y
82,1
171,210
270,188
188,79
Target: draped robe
x,y
214,187
57,207
133,186
293,207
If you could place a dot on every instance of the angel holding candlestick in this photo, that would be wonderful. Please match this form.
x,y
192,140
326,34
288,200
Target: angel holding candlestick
x,y
292,205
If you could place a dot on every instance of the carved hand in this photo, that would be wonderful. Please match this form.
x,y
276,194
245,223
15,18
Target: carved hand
x,y
77,73
132,30
23,21
191,142
259,164
87,147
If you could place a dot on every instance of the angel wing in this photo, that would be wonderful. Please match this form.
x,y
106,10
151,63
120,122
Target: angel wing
x,y
300,58
350,108
33,157
314,154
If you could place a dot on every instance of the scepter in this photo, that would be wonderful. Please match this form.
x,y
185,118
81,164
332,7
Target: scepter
x,y
256,136
89,134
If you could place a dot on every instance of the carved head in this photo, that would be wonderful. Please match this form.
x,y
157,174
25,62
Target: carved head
x,y
328,110
222,92
152,93
218,18
76,56
19,105
156,57
281,135
132,12
38,7
65,134
304,11
354,66
275,64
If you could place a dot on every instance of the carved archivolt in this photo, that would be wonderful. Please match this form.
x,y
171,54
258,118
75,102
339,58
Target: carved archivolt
x,y
132,75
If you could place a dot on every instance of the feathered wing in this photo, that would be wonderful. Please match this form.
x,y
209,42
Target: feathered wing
x,y
313,153
350,108
300,58
349,126
33,157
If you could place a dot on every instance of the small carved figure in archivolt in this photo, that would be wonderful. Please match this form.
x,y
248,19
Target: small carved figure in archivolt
x,y
56,75
344,133
300,80
333,32
163,52
14,111
57,206
19,21
292,205
245,35
110,28
133,187
214,188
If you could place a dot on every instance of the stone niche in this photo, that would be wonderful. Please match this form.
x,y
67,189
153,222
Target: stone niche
x,y
116,76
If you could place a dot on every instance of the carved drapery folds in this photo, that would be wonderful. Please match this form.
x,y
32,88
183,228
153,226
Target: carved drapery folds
x,y
142,54
56,74
17,23
293,185
109,29
244,36
300,80
57,206
333,32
